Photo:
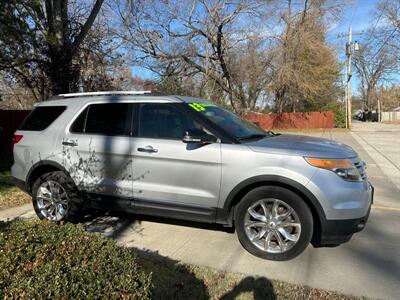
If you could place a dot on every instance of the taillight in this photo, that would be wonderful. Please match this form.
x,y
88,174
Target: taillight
x,y
16,138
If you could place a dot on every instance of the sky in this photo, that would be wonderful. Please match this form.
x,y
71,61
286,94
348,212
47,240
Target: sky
x,y
358,15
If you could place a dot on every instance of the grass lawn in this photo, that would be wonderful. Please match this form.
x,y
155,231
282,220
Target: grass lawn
x,y
10,195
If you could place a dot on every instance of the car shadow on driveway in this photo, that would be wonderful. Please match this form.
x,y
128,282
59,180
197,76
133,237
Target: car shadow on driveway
x,y
114,224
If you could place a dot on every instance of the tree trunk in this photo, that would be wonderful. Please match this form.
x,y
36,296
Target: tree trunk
x,y
368,98
64,76
279,100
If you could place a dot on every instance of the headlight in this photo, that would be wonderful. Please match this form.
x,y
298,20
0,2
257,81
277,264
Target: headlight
x,y
344,168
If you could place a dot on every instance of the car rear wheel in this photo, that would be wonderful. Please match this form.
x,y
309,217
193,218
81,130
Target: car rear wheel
x,y
55,197
273,223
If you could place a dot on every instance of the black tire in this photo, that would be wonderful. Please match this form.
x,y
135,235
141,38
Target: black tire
x,y
286,196
75,207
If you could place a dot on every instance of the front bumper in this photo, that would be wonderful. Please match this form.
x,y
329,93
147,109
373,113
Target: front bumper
x,y
335,232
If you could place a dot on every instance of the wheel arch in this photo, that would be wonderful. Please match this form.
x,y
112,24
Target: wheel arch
x,y
240,190
40,168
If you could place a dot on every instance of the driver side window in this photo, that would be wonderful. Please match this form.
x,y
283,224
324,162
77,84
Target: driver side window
x,y
163,121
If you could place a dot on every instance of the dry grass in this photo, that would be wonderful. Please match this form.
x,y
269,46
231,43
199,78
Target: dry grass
x,y
10,195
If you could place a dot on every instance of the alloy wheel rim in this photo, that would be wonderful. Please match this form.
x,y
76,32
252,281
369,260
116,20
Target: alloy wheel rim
x,y
52,200
272,225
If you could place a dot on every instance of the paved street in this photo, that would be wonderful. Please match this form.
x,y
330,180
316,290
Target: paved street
x,y
382,142
368,265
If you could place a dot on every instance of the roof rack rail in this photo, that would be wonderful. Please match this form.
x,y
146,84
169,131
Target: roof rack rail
x,y
71,95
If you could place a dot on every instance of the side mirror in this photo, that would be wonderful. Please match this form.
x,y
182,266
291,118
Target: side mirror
x,y
197,136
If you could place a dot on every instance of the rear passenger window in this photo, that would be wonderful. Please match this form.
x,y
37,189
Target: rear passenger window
x,y
41,117
107,119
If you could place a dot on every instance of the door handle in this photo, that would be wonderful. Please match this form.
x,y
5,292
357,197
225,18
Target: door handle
x,y
71,143
148,149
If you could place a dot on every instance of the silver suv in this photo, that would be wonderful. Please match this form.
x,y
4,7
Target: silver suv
x,y
187,158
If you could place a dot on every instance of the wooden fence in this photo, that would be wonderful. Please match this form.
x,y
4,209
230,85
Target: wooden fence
x,y
300,120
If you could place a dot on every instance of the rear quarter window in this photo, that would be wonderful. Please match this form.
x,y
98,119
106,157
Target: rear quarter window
x,y
41,117
79,124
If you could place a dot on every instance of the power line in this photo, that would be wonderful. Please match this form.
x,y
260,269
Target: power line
x,y
384,43
379,18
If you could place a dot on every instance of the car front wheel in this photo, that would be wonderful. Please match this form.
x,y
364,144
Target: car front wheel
x,y
273,223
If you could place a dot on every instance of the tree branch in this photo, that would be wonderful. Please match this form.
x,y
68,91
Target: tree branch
x,y
86,27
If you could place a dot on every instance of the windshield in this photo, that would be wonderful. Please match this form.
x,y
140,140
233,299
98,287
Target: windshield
x,y
228,121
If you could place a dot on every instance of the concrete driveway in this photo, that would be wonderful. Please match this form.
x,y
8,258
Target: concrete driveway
x,y
368,265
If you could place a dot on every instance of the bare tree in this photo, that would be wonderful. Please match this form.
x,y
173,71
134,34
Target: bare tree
x,y
389,97
202,38
44,37
102,65
14,95
375,63
306,69
389,11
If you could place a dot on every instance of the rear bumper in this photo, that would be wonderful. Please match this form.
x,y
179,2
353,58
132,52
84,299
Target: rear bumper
x,y
334,232
20,184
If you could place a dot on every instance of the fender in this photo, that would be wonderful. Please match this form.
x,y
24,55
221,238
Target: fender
x,y
42,163
242,188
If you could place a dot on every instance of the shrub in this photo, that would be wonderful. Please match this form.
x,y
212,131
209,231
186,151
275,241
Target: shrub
x,y
339,118
47,260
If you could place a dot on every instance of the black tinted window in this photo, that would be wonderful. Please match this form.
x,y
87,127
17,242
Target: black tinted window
x,y
164,121
79,124
109,119
41,117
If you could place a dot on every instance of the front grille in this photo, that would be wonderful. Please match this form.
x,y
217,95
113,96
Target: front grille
x,y
361,166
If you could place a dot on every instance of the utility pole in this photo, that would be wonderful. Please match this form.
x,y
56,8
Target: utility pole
x,y
345,101
348,77
350,48
379,110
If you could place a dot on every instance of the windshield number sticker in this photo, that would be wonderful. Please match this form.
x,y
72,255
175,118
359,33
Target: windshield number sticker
x,y
200,106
